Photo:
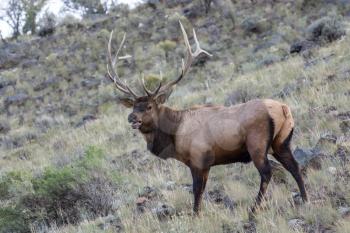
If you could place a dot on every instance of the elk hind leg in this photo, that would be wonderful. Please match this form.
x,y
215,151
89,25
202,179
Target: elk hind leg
x,y
258,154
283,154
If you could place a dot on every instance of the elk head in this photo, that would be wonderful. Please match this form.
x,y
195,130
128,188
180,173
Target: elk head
x,y
146,108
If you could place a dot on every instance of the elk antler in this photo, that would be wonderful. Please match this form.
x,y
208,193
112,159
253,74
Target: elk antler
x,y
190,56
112,73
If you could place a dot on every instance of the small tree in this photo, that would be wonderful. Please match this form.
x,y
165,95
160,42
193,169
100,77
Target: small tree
x,y
88,7
31,9
14,16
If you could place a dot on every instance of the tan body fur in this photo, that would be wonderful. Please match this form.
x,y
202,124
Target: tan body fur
x,y
225,141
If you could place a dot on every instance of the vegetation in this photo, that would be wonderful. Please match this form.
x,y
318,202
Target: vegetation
x,y
69,161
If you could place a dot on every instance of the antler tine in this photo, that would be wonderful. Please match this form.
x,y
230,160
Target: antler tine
x,y
190,56
199,50
112,70
148,92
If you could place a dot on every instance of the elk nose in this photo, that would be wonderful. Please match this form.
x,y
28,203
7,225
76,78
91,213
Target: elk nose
x,y
132,118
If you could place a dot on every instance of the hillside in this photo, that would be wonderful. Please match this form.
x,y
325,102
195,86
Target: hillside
x,y
70,162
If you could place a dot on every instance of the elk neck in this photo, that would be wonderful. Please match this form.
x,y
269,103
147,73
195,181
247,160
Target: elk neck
x,y
161,141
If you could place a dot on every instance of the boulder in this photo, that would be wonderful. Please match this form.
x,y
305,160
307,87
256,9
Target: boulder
x,y
297,224
344,211
164,212
218,196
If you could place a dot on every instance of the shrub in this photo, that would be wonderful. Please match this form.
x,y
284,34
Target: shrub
x,y
4,127
12,220
326,30
152,81
15,184
47,24
72,193
167,45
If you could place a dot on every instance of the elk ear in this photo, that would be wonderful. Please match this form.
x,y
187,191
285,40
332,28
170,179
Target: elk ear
x,y
162,97
127,102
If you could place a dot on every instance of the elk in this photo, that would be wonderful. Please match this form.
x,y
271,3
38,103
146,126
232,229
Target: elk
x,y
205,136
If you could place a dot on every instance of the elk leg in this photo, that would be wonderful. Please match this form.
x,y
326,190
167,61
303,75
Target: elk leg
x,y
264,168
200,177
284,155
286,158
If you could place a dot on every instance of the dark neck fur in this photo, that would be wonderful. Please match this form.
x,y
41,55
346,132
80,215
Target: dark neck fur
x,y
161,142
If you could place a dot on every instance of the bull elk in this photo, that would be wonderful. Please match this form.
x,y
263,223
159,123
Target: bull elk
x,y
205,136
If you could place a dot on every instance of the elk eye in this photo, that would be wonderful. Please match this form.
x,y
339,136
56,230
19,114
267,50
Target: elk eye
x,y
149,107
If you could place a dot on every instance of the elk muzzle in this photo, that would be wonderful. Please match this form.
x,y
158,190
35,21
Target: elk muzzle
x,y
134,121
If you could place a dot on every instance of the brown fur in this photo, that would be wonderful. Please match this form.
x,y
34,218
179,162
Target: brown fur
x,y
205,136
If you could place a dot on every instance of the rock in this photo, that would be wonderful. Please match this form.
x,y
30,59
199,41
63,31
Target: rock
x,y
332,170
187,187
278,172
298,200
18,99
326,30
218,196
325,145
111,222
170,185
296,224
4,127
344,125
344,116
249,227
164,212
308,159
344,211
302,156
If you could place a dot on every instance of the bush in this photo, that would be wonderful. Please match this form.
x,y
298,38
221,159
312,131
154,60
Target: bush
x,y
72,193
47,24
152,81
326,30
166,46
12,220
14,184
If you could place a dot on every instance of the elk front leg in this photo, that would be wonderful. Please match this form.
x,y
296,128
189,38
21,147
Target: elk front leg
x,y
200,177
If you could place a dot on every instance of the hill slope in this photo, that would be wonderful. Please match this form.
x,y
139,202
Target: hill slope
x,y
70,162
